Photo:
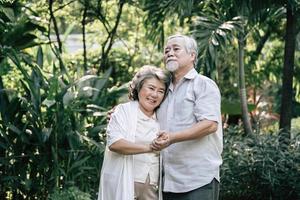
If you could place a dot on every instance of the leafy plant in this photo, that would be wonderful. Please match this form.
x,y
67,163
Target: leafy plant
x,y
72,193
49,136
259,168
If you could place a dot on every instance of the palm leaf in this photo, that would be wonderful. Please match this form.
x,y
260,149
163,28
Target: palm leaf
x,y
212,35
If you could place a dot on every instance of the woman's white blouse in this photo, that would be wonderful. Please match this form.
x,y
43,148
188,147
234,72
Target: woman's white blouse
x,y
148,163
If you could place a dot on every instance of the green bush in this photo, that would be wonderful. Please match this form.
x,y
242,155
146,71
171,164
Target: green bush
x,y
71,193
259,167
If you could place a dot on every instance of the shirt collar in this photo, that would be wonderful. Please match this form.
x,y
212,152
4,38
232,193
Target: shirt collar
x,y
144,117
190,75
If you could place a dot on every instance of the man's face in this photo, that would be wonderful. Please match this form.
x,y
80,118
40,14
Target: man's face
x,y
176,56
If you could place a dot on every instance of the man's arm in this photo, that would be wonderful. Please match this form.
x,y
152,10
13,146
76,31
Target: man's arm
x,y
199,130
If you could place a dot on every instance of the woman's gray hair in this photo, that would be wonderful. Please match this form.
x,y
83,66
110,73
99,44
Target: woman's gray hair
x,y
190,45
147,72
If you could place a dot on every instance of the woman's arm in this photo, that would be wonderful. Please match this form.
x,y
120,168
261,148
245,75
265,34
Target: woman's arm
x,y
126,147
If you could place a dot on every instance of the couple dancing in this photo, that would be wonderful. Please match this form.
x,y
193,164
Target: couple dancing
x,y
182,162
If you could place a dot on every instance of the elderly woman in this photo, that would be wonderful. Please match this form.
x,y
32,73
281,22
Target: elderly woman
x,y
130,168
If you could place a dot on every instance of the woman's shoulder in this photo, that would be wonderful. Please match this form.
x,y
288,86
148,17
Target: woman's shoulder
x,y
127,106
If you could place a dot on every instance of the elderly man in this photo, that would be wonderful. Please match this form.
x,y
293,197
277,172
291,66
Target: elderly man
x,y
190,118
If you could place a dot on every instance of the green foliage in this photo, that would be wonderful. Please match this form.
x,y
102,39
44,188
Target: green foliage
x,y
72,193
212,35
234,107
259,167
53,131
166,16
43,134
17,29
50,136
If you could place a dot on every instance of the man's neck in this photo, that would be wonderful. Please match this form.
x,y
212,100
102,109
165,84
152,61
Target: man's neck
x,y
180,73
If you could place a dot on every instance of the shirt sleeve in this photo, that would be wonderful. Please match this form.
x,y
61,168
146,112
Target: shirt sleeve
x,y
115,129
208,102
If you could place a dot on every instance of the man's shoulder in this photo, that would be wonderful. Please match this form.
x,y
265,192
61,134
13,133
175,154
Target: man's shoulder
x,y
204,81
203,78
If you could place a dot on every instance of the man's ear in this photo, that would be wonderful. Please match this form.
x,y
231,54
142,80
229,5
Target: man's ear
x,y
193,55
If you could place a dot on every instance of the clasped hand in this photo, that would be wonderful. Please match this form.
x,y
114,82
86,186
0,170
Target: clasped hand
x,y
162,141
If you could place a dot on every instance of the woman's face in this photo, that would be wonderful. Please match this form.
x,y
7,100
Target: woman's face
x,y
151,95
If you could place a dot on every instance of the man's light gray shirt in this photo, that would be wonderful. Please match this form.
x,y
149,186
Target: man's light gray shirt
x,y
191,164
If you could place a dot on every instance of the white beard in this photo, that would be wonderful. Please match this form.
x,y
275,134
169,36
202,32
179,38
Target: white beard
x,y
172,66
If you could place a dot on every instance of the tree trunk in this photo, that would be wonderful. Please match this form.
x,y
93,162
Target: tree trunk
x,y
244,104
83,22
288,73
3,101
55,25
106,46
